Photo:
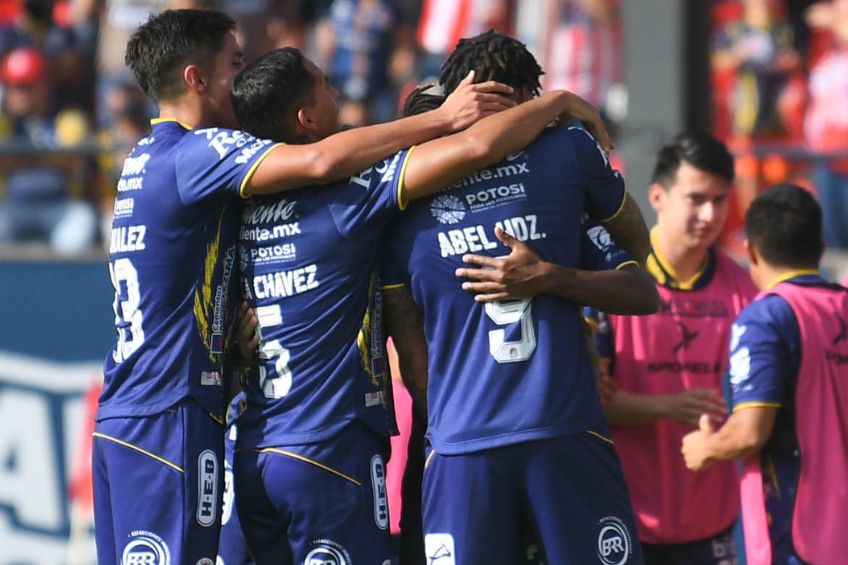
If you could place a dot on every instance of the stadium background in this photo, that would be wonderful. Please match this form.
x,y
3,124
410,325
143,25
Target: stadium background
x,y
56,302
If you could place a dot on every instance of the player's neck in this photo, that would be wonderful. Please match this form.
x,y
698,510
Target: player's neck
x,y
183,113
683,262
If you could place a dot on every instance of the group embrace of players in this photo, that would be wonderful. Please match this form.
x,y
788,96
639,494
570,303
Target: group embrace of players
x,y
336,238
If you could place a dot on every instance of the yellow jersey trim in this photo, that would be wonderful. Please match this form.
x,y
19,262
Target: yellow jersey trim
x,y
429,458
600,437
252,170
155,121
791,275
592,323
659,268
627,264
401,182
620,208
393,286
756,405
139,449
311,462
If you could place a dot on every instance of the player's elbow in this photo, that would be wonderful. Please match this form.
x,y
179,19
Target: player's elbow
x,y
322,166
478,149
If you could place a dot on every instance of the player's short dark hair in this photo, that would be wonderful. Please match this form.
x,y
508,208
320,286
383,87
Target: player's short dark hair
x,y
700,150
421,100
267,93
160,49
492,56
784,225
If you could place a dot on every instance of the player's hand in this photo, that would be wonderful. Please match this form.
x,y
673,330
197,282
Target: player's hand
x,y
246,335
471,102
695,445
687,407
518,275
580,110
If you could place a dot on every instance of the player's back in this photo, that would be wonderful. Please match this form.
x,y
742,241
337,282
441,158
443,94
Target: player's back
x,y
515,370
172,253
308,268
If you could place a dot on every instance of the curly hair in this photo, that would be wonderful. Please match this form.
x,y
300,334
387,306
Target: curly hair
x,y
492,56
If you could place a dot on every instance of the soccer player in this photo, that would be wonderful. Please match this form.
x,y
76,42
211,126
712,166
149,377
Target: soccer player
x,y
668,366
788,391
309,469
517,432
172,253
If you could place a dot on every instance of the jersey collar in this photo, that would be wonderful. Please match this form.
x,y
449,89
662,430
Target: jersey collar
x,y
659,268
791,275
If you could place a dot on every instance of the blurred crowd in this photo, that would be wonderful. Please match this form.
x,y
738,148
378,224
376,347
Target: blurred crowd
x,y
70,111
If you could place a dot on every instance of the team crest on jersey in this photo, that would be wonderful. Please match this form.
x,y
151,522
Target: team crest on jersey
x,y
439,549
614,543
145,548
327,552
447,209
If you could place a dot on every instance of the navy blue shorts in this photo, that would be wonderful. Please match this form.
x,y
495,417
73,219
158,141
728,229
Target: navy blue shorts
x,y
157,487
717,550
233,547
568,491
316,503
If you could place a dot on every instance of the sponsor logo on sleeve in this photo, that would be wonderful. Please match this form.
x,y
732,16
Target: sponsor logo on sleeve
x,y
600,237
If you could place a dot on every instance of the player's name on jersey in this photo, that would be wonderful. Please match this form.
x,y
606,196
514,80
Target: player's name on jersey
x,y
127,238
286,283
472,239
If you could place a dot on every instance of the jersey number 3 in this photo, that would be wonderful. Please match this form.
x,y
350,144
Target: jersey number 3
x,y
128,317
503,312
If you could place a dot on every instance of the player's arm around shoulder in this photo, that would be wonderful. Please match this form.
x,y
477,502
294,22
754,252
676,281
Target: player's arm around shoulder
x,y
345,153
621,288
439,162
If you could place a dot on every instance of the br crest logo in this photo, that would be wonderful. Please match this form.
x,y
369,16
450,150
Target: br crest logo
x,y
145,548
614,544
327,552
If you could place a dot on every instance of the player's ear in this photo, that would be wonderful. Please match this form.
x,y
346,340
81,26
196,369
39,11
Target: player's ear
x,y
305,121
194,78
655,195
751,251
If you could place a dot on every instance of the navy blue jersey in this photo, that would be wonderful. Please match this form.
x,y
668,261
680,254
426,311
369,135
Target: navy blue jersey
x,y
172,258
308,268
516,370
